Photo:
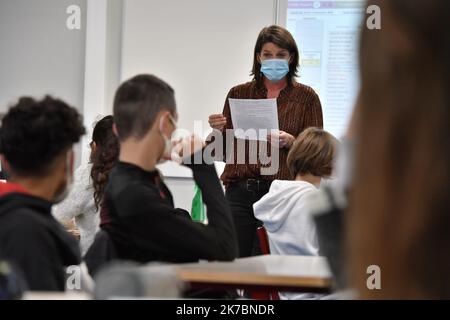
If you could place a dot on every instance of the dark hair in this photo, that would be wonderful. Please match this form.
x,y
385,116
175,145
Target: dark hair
x,y
313,152
138,101
399,213
34,133
283,39
104,156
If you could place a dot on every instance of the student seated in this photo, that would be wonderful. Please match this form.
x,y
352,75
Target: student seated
x,y
83,203
143,224
36,140
284,210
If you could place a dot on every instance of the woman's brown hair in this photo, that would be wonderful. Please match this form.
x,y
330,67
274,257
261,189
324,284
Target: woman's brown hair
x,y
103,157
313,152
399,216
283,39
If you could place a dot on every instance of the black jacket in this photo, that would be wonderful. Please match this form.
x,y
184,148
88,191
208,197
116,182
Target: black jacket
x,y
144,225
32,240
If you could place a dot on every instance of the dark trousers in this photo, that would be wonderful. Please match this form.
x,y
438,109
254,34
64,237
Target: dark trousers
x,y
241,202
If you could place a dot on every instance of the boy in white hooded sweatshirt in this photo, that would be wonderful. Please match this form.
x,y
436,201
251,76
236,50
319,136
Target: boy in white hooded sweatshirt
x,y
284,209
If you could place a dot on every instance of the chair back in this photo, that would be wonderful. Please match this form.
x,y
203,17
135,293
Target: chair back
x,y
265,249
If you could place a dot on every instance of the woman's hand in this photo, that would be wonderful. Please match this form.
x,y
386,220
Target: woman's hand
x,y
285,139
217,121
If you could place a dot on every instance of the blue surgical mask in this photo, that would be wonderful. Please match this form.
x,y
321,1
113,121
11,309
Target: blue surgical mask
x,y
275,69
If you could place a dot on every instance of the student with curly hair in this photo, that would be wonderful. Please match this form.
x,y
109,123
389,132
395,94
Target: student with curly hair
x,y
36,140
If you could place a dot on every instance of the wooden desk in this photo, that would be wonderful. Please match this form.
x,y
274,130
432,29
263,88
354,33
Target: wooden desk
x,y
270,272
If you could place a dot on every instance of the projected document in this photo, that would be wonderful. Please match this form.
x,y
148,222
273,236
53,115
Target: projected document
x,y
327,34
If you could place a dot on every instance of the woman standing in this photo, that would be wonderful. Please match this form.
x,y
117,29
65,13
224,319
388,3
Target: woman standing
x,y
275,66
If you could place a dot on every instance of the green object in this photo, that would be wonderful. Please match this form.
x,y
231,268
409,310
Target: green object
x,y
198,211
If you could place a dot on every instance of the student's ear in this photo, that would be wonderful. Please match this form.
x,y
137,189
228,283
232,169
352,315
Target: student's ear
x,y
93,146
163,123
258,58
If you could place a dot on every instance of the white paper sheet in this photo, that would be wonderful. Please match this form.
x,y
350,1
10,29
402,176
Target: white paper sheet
x,y
254,119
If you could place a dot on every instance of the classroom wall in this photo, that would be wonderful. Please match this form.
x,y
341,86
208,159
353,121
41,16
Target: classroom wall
x,y
39,55
102,65
201,47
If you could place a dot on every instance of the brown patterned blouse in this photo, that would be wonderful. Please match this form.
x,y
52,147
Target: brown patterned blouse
x,y
298,109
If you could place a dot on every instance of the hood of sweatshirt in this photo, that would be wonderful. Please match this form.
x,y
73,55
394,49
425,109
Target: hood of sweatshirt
x,y
7,188
283,197
15,201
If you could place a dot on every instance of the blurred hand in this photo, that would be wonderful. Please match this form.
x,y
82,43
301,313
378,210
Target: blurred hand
x,y
188,146
71,227
75,233
217,121
285,139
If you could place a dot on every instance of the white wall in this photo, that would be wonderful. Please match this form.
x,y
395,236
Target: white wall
x,y
39,55
201,47
102,66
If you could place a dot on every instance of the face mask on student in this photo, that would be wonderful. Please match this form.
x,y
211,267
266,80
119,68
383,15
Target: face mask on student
x,y
167,154
275,69
62,194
